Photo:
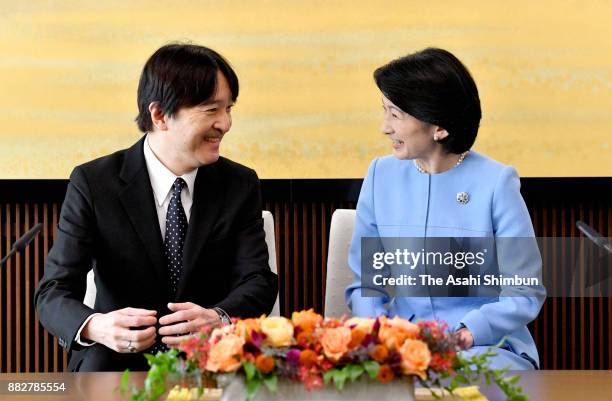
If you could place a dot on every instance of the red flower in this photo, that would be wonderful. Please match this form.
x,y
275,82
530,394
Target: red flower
x,y
249,357
311,378
385,374
326,365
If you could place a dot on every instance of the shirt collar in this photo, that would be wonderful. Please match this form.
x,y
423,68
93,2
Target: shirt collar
x,y
161,178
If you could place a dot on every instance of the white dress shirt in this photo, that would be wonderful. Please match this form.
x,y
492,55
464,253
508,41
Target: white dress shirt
x,y
162,180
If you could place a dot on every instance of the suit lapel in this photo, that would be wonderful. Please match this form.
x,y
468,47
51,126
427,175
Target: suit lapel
x,y
138,202
207,202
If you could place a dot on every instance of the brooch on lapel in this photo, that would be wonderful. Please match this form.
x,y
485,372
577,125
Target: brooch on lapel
x,y
463,197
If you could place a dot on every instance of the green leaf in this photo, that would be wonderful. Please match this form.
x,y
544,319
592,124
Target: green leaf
x,y
372,368
461,379
340,377
354,371
138,396
252,386
271,382
249,370
327,376
124,384
150,358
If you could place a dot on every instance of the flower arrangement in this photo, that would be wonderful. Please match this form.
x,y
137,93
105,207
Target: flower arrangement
x,y
317,351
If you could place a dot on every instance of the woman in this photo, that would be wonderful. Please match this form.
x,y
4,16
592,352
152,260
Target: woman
x,y
435,186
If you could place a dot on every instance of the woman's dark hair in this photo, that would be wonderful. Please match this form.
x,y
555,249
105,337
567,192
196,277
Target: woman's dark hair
x,y
180,75
433,86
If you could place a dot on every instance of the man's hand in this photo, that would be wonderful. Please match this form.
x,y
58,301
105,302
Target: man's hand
x,y
113,329
187,318
466,339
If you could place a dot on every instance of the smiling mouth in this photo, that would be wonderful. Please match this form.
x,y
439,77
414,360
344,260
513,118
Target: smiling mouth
x,y
212,139
397,142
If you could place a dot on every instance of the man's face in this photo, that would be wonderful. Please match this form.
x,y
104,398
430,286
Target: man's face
x,y
194,133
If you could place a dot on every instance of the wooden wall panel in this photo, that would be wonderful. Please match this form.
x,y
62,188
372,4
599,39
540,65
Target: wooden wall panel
x,y
570,333
25,346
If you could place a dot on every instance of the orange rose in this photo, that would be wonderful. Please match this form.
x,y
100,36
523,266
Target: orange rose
x,y
222,332
385,374
247,326
335,342
306,320
415,358
264,363
225,355
357,337
305,339
360,327
379,353
393,332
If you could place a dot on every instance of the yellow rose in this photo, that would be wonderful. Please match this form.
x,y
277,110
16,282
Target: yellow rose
x,y
225,355
278,331
306,320
393,332
363,323
415,358
335,342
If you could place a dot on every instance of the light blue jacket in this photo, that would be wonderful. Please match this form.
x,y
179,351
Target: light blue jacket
x,y
397,200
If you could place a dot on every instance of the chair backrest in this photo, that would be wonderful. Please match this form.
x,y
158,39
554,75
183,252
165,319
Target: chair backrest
x,y
339,274
90,293
270,241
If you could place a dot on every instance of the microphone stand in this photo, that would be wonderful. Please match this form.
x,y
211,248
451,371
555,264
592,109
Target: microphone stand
x,y
22,242
594,236
597,277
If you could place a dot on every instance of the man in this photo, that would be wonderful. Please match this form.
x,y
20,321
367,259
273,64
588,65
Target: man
x,y
172,230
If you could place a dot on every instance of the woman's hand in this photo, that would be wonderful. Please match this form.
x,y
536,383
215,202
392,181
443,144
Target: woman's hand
x,y
465,337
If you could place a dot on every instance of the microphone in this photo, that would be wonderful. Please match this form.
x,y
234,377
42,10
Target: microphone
x,y
23,242
594,236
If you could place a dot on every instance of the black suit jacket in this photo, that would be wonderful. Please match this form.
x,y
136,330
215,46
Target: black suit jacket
x,y
108,222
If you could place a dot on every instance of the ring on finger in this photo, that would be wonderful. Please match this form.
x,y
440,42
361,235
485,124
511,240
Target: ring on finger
x,y
130,347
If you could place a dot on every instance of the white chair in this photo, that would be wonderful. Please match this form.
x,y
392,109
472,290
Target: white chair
x,y
270,241
90,293
339,275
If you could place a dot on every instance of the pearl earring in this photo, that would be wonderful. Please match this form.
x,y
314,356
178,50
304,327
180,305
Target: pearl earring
x,y
435,137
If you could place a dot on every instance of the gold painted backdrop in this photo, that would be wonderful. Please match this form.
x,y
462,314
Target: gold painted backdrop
x,y
308,107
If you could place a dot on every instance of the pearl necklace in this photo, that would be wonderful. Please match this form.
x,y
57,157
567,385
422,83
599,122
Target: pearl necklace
x,y
423,171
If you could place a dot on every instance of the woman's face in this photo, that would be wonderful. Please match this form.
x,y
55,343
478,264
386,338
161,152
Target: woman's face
x,y
410,137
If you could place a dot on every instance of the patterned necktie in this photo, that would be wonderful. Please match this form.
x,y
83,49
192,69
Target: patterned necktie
x,y
176,228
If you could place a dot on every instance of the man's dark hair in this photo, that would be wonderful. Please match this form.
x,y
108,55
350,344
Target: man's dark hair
x,y
433,86
180,75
